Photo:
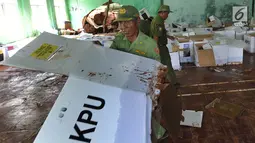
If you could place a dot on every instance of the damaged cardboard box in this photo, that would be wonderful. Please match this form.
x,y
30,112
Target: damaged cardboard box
x,y
204,56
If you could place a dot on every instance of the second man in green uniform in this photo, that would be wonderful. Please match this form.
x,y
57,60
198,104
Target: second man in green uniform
x,y
159,33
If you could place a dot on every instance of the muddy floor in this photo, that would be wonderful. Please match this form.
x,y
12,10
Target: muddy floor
x,y
26,98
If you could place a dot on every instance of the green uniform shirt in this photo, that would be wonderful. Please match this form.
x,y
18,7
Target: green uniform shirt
x,y
142,46
158,29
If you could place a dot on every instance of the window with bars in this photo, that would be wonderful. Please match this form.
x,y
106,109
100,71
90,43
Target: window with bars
x,y
60,10
10,21
40,18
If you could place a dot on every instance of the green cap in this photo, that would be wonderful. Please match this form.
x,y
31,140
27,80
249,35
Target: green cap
x,y
164,8
127,13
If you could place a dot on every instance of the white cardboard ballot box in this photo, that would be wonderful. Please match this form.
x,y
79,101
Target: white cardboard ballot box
x,y
235,54
86,111
105,99
228,51
186,51
250,41
175,59
220,52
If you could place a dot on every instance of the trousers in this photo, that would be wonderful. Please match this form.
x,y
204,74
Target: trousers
x,y
166,60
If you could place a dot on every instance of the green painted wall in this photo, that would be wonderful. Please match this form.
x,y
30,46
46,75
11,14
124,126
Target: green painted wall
x,y
87,5
195,11
190,11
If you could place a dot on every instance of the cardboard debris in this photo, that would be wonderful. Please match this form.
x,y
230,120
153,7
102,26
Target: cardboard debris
x,y
216,69
192,118
225,109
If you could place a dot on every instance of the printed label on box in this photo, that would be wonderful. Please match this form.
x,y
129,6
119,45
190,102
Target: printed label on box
x,y
247,42
44,52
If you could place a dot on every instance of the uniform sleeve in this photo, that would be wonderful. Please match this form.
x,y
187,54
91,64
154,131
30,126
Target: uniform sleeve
x,y
156,55
114,44
158,30
116,41
153,52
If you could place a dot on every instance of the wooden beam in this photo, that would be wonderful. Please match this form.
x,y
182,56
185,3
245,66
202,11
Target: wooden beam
x,y
107,11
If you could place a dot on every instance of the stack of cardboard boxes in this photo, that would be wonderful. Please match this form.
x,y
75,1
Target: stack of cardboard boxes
x,y
203,51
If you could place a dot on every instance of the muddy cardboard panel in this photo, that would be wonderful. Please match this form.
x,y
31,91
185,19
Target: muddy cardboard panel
x,y
225,108
204,57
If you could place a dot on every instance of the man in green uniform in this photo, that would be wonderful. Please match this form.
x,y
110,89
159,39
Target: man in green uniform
x,y
159,34
131,39
171,105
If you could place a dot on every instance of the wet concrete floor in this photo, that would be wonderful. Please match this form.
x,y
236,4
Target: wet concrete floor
x,y
26,97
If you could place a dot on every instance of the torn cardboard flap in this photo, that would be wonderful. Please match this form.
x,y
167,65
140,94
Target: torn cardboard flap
x,y
183,40
201,37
